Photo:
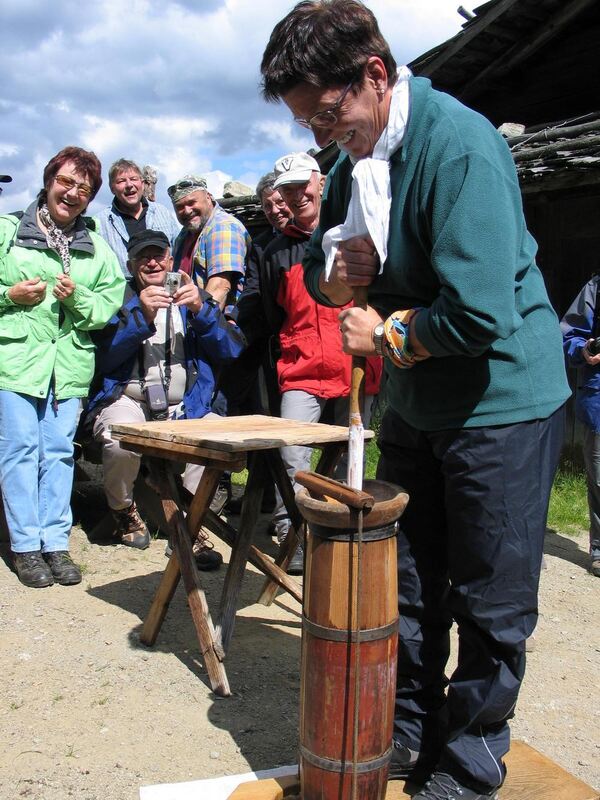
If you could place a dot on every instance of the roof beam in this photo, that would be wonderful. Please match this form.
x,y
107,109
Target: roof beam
x,y
472,30
519,52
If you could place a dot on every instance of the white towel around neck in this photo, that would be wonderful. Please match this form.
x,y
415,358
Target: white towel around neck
x,y
371,200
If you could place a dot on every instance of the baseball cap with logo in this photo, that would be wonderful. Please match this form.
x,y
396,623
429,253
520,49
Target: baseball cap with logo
x,y
294,168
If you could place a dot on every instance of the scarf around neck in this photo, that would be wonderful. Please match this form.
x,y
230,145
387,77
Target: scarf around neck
x,y
58,239
369,208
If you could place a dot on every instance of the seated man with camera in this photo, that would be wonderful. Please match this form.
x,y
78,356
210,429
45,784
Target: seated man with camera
x,y
155,359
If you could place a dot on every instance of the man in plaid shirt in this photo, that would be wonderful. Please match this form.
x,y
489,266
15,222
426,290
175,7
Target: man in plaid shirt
x,y
213,244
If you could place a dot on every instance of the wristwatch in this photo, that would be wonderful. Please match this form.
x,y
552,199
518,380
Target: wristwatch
x,y
379,340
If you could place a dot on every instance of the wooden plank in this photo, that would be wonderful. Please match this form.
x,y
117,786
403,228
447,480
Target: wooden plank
x,y
175,451
201,500
241,546
182,564
288,548
211,652
236,434
531,776
271,788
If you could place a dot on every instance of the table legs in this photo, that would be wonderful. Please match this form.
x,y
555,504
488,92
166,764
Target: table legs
x,y
330,455
182,563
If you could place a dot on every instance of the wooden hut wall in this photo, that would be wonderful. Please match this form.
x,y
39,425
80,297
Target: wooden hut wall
x,y
565,225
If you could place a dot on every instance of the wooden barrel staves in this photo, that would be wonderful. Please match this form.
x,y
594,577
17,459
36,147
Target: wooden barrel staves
x,y
343,755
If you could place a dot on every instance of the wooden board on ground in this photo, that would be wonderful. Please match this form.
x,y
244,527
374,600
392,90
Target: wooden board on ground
x,y
531,776
236,434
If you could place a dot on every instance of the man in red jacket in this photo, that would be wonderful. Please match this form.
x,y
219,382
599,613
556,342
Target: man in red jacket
x,y
312,369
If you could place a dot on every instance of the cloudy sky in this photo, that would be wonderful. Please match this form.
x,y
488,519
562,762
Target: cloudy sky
x,y
171,84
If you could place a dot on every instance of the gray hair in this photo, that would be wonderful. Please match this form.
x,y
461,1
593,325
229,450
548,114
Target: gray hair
x,y
121,165
266,182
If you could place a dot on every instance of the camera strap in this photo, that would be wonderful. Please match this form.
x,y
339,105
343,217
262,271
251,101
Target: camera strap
x,y
165,378
596,321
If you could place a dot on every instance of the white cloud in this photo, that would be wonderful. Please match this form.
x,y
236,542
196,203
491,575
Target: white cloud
x,y
172,84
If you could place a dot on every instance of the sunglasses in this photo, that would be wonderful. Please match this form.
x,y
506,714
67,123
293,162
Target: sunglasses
x,y
185,184
326,118
141,261
83,189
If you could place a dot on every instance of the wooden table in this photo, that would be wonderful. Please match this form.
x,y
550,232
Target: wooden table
x,y
226,443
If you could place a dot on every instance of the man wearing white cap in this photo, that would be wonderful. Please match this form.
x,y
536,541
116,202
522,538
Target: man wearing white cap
x,y
311,368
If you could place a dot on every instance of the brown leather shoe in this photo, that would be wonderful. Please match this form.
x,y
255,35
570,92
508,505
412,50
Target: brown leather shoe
x,y
131,528
32,570
205,556
63,569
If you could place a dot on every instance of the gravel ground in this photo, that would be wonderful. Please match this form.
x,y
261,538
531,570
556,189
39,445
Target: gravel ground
x,y
88,712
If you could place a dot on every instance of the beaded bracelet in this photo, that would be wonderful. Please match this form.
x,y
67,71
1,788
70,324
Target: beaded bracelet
x,y
396,338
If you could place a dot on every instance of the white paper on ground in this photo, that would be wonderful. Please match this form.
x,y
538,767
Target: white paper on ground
x,y
210,788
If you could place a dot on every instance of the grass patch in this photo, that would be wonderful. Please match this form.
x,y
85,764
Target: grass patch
x,y
568,512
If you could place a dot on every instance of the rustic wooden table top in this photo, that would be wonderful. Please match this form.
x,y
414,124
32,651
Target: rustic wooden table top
x,y
235,434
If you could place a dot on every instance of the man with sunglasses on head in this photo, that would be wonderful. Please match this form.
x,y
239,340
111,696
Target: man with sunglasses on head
x,y
154,361
213,245
130,212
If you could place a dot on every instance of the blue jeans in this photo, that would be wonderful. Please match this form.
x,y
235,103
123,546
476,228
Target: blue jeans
x,y
469,550
36,470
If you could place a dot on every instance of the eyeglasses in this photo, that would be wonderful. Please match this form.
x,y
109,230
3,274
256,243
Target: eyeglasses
x,y
185,184
83,189
326,118
141,261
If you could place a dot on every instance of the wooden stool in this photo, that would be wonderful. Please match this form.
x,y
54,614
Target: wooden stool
x,y
225,443
531,776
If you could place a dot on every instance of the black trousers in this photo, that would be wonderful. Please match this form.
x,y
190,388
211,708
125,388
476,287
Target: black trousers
x,y
470,547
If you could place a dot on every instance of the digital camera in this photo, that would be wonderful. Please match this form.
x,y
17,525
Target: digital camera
x,y
594,347
172,282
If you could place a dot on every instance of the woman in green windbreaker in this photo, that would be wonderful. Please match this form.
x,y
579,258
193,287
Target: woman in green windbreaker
x,y
58,282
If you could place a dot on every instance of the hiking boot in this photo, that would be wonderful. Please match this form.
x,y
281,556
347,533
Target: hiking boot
x,y
32,570
63,569
595,568
206,557
409,765
296,565
131,528
444,787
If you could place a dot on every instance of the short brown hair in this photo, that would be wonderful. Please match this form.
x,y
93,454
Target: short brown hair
x,y
85,161
122,165
323,43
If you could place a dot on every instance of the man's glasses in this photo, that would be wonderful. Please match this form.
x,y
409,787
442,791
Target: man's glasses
x,y
142,261
326,118
83,189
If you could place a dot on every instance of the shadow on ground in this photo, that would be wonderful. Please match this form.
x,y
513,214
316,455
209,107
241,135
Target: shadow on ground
x,y
265,648
567,548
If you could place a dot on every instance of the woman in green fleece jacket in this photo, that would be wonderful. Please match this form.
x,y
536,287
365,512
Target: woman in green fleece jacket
x,y
423,208
58,281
